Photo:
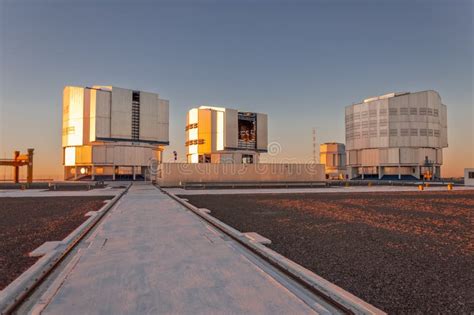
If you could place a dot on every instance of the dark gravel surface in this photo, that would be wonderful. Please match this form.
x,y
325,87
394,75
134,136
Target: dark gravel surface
x,y
26,223
404,252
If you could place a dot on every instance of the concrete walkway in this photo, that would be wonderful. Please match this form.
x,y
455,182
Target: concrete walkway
x,y
152,256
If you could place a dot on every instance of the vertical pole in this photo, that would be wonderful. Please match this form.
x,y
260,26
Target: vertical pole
x,y
134,172
92,172
16,168
315,144
114,171
29,176
399,172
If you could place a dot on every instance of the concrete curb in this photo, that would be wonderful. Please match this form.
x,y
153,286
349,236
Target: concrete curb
x,y
333,293
21,287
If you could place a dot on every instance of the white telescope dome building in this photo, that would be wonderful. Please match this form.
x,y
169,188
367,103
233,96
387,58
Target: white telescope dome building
x,y
111,132
396,136
224,135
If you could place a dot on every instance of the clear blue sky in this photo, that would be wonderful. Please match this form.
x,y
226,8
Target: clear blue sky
x,y
299,61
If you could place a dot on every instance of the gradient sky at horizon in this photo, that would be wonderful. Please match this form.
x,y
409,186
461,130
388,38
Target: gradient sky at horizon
x,y
301,62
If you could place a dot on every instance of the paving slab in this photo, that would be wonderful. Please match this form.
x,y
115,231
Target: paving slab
x,y
151,255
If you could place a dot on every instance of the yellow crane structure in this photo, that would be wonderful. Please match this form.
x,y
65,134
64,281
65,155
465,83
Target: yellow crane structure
x,y
20,160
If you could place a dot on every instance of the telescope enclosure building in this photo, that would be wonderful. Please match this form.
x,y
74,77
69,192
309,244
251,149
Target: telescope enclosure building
x,y
396,136
224,135
112,133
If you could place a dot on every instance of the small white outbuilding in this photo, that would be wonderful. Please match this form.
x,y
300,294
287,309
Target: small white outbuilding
x,y
469,176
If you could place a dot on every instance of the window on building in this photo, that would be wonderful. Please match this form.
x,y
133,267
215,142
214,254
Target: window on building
x,y
404,111
383,111
373,133
194,142
404,132
436,133
373,113
191,126
435,112
383,132
423,132
430,132
247,123
471,175
69,130
205,158
413,111
393,111
393,132
247,159
413,132
423,111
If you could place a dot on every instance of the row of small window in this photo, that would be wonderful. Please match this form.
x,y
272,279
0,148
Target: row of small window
x,y
191,126
69,130
193,142
424,111
394,132
366,123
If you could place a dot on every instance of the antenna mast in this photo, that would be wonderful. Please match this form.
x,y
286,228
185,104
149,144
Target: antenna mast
x,y
315,144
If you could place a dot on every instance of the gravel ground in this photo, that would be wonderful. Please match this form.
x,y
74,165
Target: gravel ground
x,y
26,223
405,252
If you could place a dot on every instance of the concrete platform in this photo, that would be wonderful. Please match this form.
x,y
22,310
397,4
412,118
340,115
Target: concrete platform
x,y
151,255
350,189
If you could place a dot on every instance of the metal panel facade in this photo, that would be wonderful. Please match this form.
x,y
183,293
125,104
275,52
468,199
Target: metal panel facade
x,y
121,113
102,114
231,129
149,111
163,120
73,116
262,132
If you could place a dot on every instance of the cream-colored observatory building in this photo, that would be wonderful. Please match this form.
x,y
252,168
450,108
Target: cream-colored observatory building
x,y
333,156
396,136
112,133
224,135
